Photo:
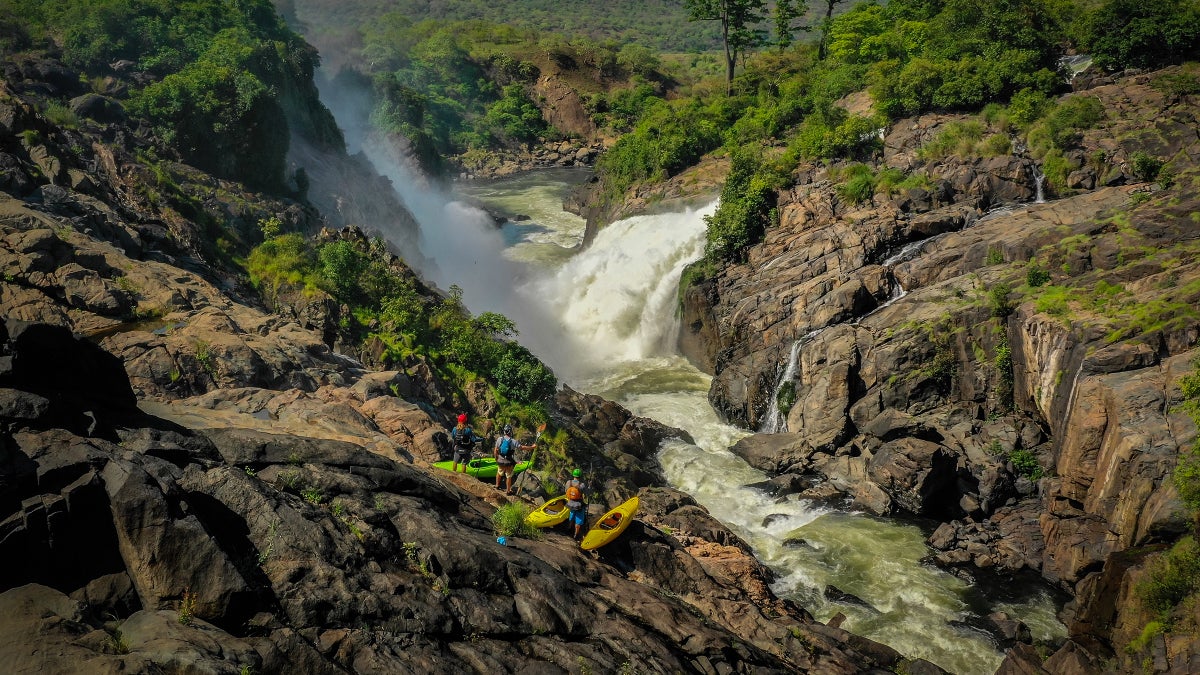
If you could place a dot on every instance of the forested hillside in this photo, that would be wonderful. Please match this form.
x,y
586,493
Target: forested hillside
x,y
658,24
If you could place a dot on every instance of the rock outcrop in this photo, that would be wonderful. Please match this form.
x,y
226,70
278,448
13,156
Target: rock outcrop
x,y
1009,368
132,542
195,483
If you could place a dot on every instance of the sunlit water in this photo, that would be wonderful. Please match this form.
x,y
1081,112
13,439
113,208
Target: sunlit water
x,y
608,328
550,234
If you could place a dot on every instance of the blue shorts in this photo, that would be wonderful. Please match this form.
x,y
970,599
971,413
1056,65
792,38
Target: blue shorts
x,y
578,516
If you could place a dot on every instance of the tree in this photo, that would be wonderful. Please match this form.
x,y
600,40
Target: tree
x,y
825,23
738,20
786,13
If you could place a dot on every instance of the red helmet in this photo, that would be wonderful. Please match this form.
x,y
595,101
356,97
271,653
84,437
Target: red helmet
x,y
462,419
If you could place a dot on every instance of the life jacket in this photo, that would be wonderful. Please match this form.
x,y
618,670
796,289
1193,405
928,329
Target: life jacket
x,y
507,445
574,494
464,437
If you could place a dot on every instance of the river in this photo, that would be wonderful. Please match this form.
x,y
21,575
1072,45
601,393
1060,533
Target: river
x,y
606,323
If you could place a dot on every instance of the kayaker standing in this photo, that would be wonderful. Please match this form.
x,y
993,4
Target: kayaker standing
x,y
464,439
505,452
575,503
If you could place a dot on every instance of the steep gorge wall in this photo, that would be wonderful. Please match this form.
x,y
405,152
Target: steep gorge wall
x,y
905,399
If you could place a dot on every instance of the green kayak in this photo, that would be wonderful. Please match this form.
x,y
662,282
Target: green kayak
x,y
482,467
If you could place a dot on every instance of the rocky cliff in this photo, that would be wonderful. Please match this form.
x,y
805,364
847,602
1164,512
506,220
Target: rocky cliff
x,y
964,353
193,483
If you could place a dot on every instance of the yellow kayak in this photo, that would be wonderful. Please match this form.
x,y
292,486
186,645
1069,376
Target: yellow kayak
x,y
610,526
549,514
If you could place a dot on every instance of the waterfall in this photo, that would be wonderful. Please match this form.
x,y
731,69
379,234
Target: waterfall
x,y
774,421
615,301
908,252
1038,179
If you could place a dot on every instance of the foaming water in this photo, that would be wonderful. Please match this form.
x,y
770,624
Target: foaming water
x,y
609,293
605,319
616,300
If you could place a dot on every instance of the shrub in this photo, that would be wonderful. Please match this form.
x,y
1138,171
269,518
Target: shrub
x,y
786,398
514,117
509,521
1036,276
519,375
860,186
1187,472
998,300
62,115
956,138
746,207
1026,463
1027,106
341,265
1172,577
1141,33
1145,167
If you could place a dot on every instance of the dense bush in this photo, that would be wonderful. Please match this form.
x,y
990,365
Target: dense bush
x,y
670,137
222,66
388,305
1141,33
514,117
747,206
1172,577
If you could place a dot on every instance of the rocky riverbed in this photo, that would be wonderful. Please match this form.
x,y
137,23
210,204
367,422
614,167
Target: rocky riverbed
x,y
952,352
198,477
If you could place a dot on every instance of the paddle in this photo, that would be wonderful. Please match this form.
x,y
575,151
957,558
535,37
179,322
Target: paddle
x,y
532,457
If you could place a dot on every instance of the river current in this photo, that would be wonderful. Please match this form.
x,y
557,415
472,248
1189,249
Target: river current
x,y
604,318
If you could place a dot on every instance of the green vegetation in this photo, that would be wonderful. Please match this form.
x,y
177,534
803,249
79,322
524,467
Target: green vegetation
x,y
786,397
1140,33
187,607
998,300
1003,364
658,24
1026,464
388,304
223,71
1169,589
1036,276
509,521
1187,471
737,19
747,207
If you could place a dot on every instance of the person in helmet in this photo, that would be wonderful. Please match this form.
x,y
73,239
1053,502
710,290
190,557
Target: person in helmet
x,y
505,452
575,501
463,438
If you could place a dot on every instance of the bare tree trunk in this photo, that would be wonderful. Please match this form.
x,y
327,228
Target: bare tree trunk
x,y
729,57
823,50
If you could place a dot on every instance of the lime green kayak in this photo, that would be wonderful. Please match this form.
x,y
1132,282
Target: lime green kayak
x,y
610,526
482,467
549,514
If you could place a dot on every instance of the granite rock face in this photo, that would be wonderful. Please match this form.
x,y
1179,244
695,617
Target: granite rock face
x,y
961,352
139,543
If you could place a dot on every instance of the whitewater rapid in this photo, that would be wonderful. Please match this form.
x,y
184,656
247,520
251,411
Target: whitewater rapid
x,y
607,324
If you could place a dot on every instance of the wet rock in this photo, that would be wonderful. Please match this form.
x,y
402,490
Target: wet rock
x,y
835,594
772,452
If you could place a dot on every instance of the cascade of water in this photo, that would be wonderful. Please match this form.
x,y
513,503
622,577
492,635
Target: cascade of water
x,y
907,252
773,421
1074,65
615,301
1039,179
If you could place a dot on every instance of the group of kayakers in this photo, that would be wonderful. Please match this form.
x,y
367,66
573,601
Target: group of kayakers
x,y
504,451
463,440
